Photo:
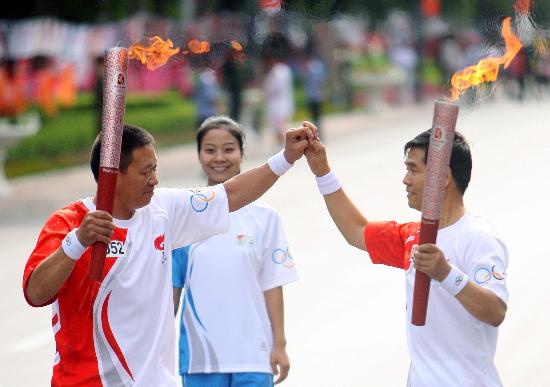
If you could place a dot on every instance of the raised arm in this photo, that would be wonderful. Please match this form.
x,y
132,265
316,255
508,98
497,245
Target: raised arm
x,y
344,213
250,185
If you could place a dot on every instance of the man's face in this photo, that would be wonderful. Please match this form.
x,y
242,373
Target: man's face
x,y
136,185
414,177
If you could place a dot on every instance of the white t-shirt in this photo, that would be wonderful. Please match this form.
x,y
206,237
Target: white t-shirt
x,y
453,348
121,331
225,325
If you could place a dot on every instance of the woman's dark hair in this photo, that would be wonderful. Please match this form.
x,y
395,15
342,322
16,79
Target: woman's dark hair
x,y
220,122
133,137
461,157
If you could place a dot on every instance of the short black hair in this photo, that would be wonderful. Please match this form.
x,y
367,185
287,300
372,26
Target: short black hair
x,y
461,156
220,122
133,137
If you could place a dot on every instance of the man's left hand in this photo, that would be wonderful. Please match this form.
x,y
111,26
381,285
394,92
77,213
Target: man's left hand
x,y
429,259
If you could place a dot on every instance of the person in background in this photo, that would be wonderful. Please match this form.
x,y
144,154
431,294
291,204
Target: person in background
x,y
207,94
232,80
314,78
278,87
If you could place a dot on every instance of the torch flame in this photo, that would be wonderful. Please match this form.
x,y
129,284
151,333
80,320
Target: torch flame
x,y
236,46
154,55
487,69
198,47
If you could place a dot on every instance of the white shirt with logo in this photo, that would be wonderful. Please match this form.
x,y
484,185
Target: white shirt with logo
x,y
225,325
120,331
454,348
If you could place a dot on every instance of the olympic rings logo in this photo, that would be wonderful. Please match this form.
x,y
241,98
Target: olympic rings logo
x,y
282,257
199,201
482,276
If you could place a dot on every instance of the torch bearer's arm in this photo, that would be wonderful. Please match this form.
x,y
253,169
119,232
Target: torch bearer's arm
x,y
350,221
480,302
50,275
250,185
483,304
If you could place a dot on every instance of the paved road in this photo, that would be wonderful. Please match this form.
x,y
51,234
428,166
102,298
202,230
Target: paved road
x,y
345,318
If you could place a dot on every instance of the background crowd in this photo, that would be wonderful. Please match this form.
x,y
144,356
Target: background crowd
x,y
336,58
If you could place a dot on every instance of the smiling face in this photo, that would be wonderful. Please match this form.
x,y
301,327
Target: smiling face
x,y
414,177
135,186
220,155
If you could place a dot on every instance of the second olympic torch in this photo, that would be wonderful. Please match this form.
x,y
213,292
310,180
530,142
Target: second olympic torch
x,y
114,103
437,166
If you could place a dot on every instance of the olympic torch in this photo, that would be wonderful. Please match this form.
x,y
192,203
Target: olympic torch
x,y
439,155
114,102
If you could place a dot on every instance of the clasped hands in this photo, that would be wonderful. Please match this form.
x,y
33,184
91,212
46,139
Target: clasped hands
x,y
304,140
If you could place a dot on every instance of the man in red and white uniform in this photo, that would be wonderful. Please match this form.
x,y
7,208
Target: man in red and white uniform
x,y
120,331
467,265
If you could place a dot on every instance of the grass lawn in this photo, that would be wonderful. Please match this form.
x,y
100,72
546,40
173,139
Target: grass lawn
x,y
65,139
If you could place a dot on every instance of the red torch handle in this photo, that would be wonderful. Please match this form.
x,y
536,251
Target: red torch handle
x,y
105,198
114,103
437,165
428,234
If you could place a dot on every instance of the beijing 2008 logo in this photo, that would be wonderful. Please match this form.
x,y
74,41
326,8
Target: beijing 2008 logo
x,y
438,138
199,200
119,84
282,257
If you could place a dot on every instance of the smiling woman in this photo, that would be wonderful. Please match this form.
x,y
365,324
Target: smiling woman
x,y
220,145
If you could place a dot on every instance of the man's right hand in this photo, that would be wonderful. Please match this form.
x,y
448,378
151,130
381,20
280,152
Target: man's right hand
x,y
50,275
97,226
316,154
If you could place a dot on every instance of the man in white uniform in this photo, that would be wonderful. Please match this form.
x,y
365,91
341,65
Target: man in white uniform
x,y
120,331
467,265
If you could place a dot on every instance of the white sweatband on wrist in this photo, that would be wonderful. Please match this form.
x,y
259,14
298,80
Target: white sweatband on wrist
x,y
278,163
72,246
455,281
328,183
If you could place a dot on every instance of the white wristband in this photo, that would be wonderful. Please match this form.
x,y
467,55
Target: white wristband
x,y
278,163
72,246
455,281
328,183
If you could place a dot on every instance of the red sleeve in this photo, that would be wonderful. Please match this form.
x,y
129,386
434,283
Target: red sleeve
x,y
389,243
49,240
